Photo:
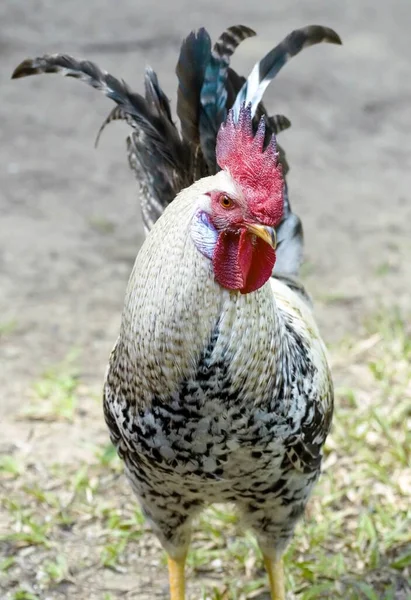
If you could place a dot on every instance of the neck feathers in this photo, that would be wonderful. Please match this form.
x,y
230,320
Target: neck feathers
x,y
172,303
174,308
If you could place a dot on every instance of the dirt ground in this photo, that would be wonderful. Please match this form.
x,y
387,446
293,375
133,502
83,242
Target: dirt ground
x,y
69,220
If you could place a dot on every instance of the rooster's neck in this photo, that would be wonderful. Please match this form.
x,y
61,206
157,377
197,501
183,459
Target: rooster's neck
x,y
175,313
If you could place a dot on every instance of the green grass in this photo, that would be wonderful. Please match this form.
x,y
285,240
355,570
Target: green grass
x,y
53,396
80,519
8,327
54,571
22,594
102,225
10,466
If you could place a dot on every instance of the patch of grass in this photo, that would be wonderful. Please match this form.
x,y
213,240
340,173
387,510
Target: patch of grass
x,y
27,528
7,327
102,225
337,298
54,571
113,553
307,269
6,563
383,269
10,466
108,457
22,594
54,395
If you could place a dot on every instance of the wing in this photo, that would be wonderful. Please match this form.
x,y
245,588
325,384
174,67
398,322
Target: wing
x,y
305,379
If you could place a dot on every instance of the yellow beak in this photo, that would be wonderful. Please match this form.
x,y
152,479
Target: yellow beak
x,y
265,233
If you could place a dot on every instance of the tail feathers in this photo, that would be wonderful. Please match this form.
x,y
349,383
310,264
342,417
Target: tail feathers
x,y
290,236
194,55
290,241
161,159
86,71
131,104
116,114
202,94
290,246
234,84
275,124
230,39
155,96
207,88
213,95
278,123
158,183
268,67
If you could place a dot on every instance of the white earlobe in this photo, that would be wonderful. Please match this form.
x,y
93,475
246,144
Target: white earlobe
x,y
204,234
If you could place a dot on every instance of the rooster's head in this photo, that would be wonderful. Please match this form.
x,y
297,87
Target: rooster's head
x,y
235,221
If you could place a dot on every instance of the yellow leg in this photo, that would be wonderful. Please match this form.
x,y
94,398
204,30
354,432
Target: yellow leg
x,y
176,578
275,572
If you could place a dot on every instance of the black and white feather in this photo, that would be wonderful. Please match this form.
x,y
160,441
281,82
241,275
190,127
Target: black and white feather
x,y
164,159
268,67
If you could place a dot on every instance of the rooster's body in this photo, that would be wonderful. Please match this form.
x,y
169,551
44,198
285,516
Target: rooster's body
x,y
222,397
218,388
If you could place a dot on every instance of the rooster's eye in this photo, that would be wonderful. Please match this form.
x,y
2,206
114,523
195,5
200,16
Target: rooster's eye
x,y
226,202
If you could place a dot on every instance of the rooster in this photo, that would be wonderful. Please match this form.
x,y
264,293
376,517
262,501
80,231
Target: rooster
x,y
218,388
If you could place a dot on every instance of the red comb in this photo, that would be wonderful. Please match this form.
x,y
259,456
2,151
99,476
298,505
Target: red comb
x,y
257,171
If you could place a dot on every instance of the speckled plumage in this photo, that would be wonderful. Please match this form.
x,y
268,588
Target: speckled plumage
x,y
214,396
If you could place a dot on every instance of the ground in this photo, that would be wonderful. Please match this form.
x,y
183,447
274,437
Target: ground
x,y
69,232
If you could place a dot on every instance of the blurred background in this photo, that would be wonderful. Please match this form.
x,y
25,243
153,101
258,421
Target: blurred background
x,y
70,229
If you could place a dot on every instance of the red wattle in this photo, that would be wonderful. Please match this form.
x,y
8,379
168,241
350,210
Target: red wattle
x,y
261,267
242,261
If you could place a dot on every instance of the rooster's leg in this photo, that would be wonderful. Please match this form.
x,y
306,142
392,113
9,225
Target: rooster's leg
x,y
275,572
176,577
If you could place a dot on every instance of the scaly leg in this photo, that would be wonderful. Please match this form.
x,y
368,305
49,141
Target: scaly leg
x,y
275,572
176,577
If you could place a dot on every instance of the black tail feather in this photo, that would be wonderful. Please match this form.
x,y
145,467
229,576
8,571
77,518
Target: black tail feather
x,y
207,87
194,55
213,96
268,67
89,73
155,96
161,160
116,114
